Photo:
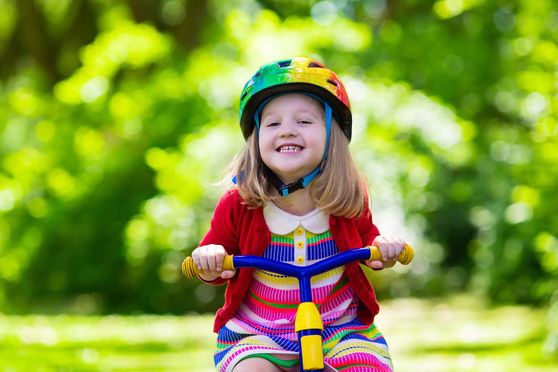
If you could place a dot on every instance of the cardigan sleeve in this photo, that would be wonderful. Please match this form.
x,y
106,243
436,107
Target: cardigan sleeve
x,y
366,227
222,230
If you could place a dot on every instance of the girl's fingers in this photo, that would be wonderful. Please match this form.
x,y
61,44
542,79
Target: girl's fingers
x,y
204,259
219,258
380,242
387,249
209,259
376,265
390,248
227,274
196,258
400,246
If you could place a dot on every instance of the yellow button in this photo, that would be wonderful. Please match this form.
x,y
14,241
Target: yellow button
x,y
300,244
300,259
299,231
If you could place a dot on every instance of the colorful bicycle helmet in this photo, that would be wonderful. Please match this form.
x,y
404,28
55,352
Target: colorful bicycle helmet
x,y
299,74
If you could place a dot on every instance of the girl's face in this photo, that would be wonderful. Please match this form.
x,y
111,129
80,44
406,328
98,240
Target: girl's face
x,y
292,136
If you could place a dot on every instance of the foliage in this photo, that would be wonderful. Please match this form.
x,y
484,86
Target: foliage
x,y
117,118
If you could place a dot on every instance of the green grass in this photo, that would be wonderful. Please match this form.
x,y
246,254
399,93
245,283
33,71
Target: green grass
x,y
462,334
458,334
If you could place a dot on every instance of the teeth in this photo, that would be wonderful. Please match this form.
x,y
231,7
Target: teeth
x,y
289,149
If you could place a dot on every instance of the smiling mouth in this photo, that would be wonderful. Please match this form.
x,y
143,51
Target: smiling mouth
x,y
290,148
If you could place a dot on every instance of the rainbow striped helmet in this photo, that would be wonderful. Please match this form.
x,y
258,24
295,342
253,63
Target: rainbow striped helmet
x,y
298,75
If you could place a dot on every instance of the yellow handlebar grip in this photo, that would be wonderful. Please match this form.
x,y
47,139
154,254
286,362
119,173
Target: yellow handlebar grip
x,y
190,269
404,258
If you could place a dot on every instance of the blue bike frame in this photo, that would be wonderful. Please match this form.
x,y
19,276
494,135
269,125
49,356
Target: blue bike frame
x,y
303,273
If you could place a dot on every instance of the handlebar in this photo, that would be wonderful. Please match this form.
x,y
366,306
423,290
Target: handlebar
x,y
370,253
308,322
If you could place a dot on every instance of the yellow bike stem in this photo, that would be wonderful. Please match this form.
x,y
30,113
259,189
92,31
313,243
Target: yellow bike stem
x,y
309,326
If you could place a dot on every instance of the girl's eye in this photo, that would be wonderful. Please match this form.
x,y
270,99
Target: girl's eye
x,y
272,124
304,122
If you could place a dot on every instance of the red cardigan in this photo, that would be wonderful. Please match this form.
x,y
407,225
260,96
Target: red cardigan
x,y
243,231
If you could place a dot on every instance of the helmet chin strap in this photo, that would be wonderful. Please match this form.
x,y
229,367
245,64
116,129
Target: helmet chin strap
x,y
286,189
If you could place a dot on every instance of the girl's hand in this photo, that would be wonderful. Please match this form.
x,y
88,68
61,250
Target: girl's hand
x,y
390,248
209,259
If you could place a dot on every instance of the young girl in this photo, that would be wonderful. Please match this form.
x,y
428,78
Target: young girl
x,y
298,198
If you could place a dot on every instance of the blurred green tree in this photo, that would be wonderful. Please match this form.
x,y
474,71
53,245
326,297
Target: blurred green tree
x,y
118,117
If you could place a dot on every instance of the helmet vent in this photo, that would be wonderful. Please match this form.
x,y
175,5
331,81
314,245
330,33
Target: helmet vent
x,y
315,64
284,63
243,96
332,82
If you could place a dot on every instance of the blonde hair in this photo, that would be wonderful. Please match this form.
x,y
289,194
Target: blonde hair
x,y
339,189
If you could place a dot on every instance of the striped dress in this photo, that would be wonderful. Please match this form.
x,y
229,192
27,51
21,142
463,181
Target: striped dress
x,y
263,325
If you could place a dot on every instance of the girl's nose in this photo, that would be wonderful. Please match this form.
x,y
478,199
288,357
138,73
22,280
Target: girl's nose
x,y
288,129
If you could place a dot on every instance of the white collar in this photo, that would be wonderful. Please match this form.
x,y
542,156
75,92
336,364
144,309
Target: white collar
x,y
282,223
